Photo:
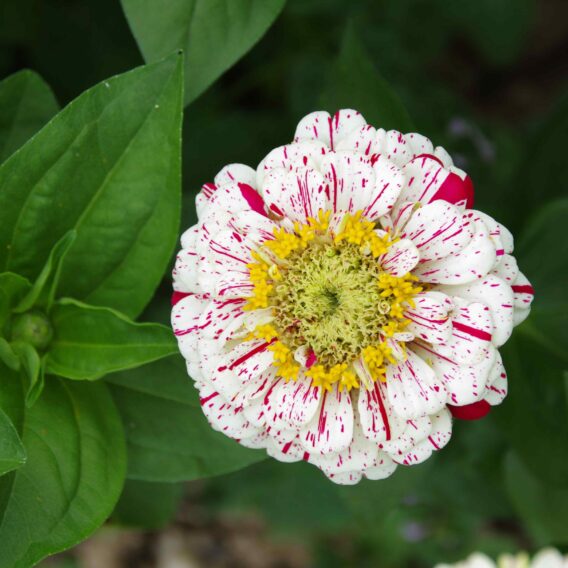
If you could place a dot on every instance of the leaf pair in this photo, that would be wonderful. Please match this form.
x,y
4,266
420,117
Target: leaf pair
x,y
96,193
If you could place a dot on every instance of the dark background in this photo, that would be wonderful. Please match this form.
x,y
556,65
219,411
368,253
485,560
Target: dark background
x,y
486,79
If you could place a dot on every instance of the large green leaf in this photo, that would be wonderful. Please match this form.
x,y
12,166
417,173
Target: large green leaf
x,y
26,104
12,451
214,34
90,342
544,509
74,471
108,166
147,505
167,435
354,82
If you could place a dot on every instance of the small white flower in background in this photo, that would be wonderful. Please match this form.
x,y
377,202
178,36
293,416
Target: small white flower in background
x,y
547,558
337,304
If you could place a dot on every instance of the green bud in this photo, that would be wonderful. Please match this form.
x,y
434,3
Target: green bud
x,y
34,328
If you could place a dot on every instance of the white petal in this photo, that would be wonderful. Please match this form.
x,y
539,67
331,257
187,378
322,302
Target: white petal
x,y
506,269
438,438
291,405
413,388
361,140
235,173
401,258
186,317
496,389
288,157
224,417
377,421
472,262
471,336
296,194
331,430
437,230
464,384
350,181
523,292
496,294
429,319
389,180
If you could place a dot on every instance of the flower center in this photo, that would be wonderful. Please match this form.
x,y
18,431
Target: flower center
x,y
330,299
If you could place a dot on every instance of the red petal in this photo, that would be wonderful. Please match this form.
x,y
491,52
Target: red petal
x,y
177,296
473,411
456,190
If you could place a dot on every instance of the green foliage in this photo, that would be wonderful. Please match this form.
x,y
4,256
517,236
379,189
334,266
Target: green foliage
x,y
74,469
214,34
354,82
12,451
91,342
167,435
146,504
26,104
542,507
93,167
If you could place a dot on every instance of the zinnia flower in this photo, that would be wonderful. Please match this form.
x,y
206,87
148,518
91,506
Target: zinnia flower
x,y
546,558
338,303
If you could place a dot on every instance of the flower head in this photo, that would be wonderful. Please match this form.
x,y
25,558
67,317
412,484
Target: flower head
x,y
337,304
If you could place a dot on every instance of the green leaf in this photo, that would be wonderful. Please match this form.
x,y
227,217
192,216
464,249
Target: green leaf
x,y
32,370
147,505
12,451
214,34
8,355
43,290
354,82
168,436
542,253
533,416
498,28
13,288
107,166
90,342
541,177
543,509
74,472
26,104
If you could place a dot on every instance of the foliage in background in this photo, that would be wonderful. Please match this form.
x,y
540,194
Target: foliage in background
x,y
102,178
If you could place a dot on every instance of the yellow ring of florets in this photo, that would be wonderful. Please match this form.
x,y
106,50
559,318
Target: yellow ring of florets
x,y
329,294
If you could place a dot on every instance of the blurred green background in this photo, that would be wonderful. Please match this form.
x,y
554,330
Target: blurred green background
x,y
486,79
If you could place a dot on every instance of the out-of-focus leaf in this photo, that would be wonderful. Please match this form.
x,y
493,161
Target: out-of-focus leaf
x,y
354,82
12,451
541,177
147,505
108,166
74,470
498,28
544,509
90,342
533,417
542,253
26,104
305,500
168,436
214,34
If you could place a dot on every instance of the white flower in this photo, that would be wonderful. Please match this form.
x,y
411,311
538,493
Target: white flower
x,y
335,304
547,558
